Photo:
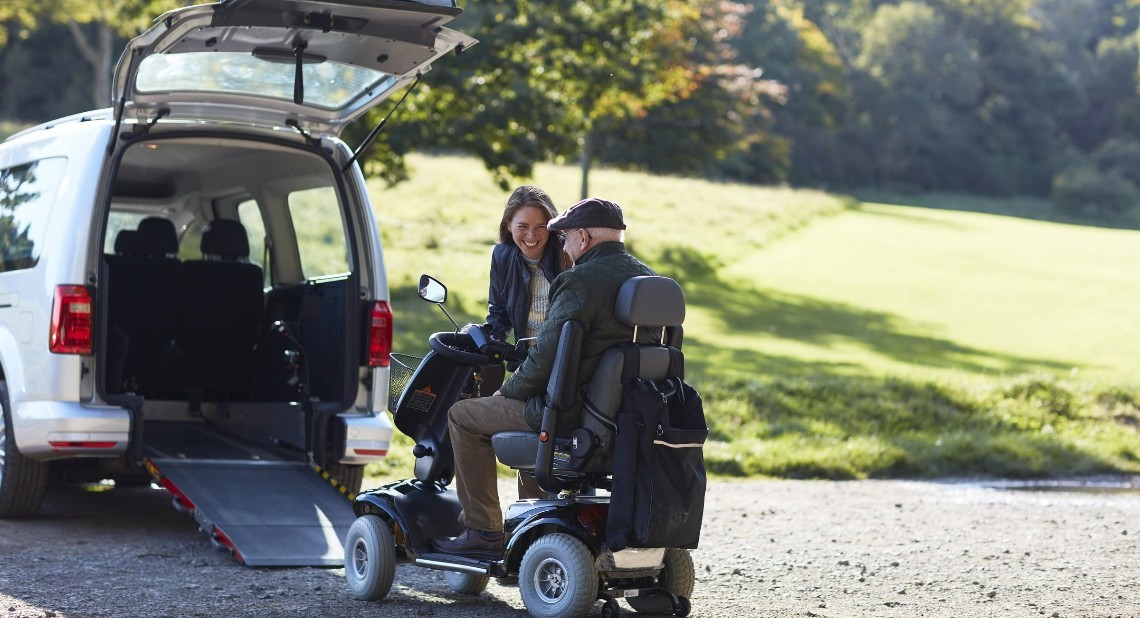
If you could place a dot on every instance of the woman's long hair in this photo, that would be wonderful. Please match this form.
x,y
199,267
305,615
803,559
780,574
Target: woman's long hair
x,y
523,196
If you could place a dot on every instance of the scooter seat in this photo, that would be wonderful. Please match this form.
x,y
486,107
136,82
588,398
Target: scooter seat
x,y
516,449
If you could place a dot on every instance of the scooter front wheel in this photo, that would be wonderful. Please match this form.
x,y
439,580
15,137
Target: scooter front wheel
x,y
558,577
369,558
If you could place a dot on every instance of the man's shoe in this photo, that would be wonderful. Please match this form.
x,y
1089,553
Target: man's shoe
x,y
473,543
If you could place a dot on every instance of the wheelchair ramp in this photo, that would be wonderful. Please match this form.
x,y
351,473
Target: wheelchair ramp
x,y
267,513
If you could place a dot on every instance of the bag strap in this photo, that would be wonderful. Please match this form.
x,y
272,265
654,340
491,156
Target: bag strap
x,y
598,415
631,367
676,363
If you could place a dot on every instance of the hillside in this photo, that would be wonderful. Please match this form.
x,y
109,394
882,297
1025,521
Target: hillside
x,y
839,339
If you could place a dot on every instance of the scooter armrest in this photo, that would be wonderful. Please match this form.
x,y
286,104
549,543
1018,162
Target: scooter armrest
x,y
560,391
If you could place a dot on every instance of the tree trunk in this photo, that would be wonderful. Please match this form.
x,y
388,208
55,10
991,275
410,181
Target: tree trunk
x,y
98,55
587,156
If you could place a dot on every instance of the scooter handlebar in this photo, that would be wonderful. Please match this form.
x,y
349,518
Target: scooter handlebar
x,y
458,347
473,346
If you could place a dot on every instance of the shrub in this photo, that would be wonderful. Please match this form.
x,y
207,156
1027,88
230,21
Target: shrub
x,y
1120,155
1087,192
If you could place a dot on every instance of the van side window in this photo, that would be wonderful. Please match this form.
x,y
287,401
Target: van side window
x,y
116,222
319,226
26,196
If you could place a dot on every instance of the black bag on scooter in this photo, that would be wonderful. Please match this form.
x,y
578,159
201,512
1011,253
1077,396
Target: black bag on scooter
x,y
658,493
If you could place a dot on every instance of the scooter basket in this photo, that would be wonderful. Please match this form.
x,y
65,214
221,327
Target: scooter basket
x,y
400,372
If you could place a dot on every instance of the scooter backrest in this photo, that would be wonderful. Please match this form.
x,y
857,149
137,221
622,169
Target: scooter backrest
x,y
650,302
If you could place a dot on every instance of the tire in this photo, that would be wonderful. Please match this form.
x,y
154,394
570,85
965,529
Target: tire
x,y
351,477
676,577
558,577
466,583
22,481
369,558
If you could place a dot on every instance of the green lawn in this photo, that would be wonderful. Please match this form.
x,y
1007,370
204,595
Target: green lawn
x,y
892,290
833,338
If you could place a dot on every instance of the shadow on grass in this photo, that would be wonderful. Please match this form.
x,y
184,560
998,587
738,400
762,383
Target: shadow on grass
x,y
746,310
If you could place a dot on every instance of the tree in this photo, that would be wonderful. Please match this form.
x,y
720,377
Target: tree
x,y
815,104
961,95
20,14
921,80
724,125
96,26
547,77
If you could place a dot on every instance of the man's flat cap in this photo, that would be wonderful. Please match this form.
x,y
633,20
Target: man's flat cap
x,y
590,212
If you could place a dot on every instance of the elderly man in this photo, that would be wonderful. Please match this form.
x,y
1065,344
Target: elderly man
x,y
593,238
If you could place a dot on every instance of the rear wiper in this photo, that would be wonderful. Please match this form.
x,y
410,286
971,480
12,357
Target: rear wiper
x,y
299,77
376,130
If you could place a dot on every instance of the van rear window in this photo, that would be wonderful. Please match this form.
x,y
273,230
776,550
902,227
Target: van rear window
x,y
26,195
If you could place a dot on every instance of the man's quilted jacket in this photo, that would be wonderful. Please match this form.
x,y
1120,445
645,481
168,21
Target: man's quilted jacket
x,y
586,293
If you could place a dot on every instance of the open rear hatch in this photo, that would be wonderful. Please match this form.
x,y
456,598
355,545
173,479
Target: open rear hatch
x,y
310,64
260,503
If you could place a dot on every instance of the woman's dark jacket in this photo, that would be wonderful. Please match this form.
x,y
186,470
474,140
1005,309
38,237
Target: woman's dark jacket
x,y
509,296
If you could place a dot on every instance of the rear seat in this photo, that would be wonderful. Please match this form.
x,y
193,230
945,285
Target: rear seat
x,y
165,230
222,312
142,293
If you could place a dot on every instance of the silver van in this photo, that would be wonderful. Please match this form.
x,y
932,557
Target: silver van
x,y
192,286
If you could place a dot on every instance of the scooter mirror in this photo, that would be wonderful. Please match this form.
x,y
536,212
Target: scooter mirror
x,y
432,290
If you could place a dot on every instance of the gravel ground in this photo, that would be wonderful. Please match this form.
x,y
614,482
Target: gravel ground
x,y
768,548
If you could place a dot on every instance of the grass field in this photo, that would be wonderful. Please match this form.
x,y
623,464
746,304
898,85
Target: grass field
x,y
833,338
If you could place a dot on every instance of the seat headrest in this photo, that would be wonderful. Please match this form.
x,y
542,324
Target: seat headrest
x,y
225,239
651,301
165,229
139,244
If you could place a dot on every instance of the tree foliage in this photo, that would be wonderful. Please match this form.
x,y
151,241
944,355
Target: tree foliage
x,y
987,96
547,76
97,28
725,125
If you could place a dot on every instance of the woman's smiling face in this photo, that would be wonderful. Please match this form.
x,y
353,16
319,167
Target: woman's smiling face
x,y
528,229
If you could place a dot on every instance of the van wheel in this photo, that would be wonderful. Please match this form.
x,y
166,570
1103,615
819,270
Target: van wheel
x,y
676,577
350,477
558,577
466,583
22,481
369,558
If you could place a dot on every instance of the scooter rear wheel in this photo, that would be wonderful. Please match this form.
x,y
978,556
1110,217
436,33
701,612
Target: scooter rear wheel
x,y
677,577
369,558
558,577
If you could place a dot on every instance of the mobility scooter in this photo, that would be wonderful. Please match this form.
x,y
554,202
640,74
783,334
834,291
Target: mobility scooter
x,y
556,546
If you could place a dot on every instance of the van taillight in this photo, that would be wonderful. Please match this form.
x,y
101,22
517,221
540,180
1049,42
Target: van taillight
x,y
71,321
380,335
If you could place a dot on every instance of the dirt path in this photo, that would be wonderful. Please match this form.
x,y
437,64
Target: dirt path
x,y
768,548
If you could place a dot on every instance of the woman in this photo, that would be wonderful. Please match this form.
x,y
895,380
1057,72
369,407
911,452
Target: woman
x,y
523,263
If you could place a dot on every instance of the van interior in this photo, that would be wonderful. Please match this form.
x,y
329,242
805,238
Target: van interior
x,y
229,290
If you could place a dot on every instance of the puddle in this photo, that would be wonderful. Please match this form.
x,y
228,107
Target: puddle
x,y
1087,486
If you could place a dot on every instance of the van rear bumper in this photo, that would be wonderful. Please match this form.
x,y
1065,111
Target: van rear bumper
x,y
46,430
365,437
